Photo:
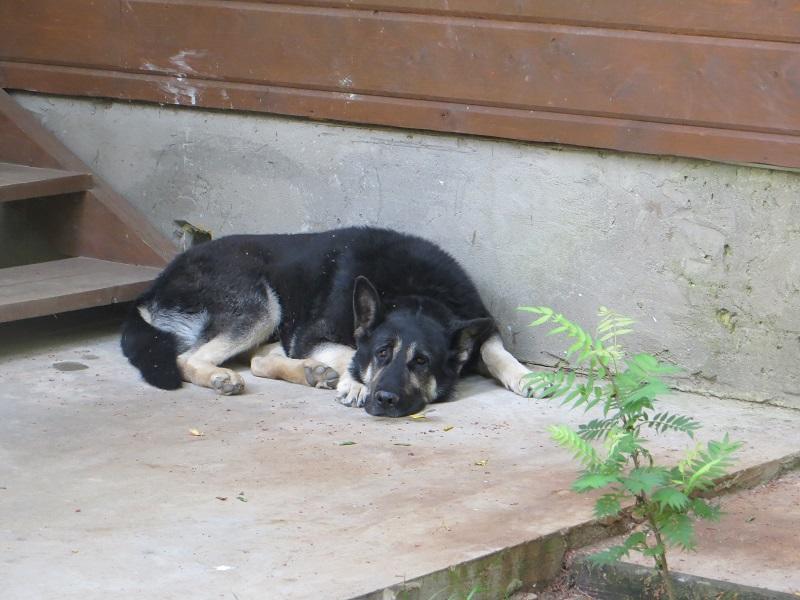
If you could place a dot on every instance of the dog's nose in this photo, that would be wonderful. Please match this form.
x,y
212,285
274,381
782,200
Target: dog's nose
x,y
387,399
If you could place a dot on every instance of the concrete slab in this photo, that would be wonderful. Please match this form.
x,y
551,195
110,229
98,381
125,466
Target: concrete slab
x,y
103,489
755,543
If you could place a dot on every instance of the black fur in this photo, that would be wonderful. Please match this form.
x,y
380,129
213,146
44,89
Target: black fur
x,y
422,291
151,351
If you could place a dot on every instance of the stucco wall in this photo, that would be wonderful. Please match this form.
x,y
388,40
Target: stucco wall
x,y
704,255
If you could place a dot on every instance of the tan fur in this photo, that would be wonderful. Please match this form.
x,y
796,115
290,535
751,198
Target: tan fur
x,y
270,361
200,366
502,365
337,356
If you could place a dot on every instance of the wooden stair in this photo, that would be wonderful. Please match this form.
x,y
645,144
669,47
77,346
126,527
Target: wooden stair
x,y
18,182
103,251
68,284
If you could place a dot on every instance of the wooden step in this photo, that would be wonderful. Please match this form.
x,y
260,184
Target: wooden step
x,y
69,284
18,182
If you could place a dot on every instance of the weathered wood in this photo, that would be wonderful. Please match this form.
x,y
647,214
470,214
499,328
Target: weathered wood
x,y
777,20
101,224
678,79
583,130
69,284
18,182
658,76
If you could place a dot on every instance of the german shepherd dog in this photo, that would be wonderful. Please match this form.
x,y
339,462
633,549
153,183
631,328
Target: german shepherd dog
x,y
389,320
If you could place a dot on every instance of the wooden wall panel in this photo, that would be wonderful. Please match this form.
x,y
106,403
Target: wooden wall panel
x,y
392,61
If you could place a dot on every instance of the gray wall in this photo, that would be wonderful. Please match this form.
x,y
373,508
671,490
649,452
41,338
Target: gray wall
x,y
703,255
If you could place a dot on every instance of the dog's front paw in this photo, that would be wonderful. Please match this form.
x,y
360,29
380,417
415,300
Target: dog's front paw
x,y
350,392
521,383
320,376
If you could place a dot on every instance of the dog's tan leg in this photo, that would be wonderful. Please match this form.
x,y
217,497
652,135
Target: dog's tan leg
x,y
201,366
271,362
503,367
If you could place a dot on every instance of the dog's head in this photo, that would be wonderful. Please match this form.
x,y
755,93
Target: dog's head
x,y
406,357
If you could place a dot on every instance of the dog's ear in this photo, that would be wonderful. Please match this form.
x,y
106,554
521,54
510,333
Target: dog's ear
x,y
464,335
367,307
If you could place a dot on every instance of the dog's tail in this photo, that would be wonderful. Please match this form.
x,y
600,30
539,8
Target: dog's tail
x,y
152,351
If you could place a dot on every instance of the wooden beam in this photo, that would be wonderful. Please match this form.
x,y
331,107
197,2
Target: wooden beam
x,y
529,125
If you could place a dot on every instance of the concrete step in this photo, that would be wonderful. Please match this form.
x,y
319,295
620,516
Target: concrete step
x,y
110,490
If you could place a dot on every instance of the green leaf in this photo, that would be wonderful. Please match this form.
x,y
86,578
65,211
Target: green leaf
x,y
704,510
609,556
648,365
607,505
666,422
670,497
635,541
575,347
703,467
596,428
645,479
593,481
566,438
653,551
539,321
646,392
677,530
539,310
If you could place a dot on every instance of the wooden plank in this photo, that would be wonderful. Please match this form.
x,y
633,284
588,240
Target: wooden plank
x,y
69,284
690,80
584,130
18,182
777,20
102,225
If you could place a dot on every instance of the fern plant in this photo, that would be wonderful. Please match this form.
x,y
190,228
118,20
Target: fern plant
x,y
665,500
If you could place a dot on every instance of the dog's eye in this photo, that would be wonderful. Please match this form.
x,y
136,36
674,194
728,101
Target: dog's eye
x,y
421,360
382,352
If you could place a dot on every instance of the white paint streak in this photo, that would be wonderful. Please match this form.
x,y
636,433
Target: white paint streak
x,y
178,88
179,59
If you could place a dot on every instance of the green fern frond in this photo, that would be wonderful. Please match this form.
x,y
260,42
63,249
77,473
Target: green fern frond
x,y
677,529
635,541
596,428
670,498
709,465
705,510
582,451
607,505
665,421
645,479
594,480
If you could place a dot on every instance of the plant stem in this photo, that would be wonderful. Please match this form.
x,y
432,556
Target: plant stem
x,y
661,560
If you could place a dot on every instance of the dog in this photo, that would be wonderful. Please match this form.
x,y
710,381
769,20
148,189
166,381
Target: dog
x,y
389,320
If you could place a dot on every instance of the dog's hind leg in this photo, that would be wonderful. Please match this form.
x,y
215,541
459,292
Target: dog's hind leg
x,y
271,361
201,365
503,366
